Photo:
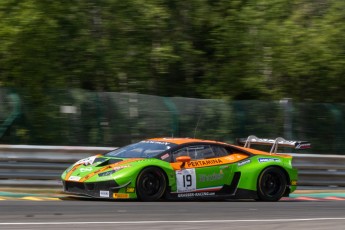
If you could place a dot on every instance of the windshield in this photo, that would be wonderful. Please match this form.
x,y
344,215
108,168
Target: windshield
x,y
143,149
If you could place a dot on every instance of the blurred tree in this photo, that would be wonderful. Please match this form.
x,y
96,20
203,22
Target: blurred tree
x,y
253,49
308,56
217,49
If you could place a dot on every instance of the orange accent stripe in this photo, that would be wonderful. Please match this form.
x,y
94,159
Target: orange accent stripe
x,y
75,167
180,141
210,162
88,176
71,171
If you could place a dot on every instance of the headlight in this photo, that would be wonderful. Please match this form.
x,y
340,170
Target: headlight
x,y
107,173
113,171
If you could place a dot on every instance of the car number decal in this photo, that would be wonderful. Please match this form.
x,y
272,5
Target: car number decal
x,y
186,180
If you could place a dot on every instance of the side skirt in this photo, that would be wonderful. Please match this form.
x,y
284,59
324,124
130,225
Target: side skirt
x,y
226,192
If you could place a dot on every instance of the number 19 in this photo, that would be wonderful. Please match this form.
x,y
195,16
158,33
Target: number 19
x,y
187,180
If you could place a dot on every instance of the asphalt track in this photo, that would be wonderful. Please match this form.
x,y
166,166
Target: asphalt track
x,y
66,213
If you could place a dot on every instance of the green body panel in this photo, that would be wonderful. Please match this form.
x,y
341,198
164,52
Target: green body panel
x,y
206,177
125,176
250,172
213,176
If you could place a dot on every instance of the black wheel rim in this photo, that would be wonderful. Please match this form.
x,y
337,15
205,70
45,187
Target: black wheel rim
x,y
271,184
150,184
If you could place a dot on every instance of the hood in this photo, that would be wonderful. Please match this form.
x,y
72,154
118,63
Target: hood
x,y
99,166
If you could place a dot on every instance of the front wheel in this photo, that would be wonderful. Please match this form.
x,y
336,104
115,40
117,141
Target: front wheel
x,y
151,184
271,184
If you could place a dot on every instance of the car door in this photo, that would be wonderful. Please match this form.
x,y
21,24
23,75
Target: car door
x,y
206,172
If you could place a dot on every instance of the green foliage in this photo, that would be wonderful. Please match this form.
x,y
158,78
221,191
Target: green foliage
x,y
214,49
253,49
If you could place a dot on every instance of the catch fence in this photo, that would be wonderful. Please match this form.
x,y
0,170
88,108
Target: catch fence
x,y
82,118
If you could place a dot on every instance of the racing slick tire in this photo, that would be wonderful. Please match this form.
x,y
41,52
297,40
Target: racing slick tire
x,y
271,184
151,184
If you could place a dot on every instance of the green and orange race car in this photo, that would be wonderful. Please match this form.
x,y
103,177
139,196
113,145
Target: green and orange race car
x,y
186,168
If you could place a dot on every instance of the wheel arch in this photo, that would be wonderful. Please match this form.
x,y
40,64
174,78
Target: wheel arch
x,y
287,177
286,191
152,167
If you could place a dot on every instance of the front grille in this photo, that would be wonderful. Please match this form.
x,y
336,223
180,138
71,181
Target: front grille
x,y
90,186
90,189
104,185
70,186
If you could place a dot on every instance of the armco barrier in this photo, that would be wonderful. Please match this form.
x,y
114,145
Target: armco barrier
x,y
320,170
41,166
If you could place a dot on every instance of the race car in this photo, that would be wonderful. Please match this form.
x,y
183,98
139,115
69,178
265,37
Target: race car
x,y
187,168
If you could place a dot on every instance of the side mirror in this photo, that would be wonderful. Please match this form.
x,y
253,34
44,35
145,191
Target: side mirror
x,y
183,159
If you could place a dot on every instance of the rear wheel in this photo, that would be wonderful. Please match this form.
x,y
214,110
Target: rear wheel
x,y
271,184
151,184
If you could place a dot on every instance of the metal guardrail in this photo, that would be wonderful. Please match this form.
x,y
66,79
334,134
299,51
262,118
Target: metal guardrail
x,y
41,166
320,170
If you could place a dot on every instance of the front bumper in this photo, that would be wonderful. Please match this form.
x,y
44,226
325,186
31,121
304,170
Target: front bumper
x,y
92,189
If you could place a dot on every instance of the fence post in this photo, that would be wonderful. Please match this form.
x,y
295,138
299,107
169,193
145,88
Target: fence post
x,y
287,107
16,103
174,115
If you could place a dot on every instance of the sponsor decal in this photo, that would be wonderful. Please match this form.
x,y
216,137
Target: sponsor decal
x,y
293,182
130,189
156,142
230,158
303,146
104,193
195,194
212,177
243,163
272,141
120,196
264,160
86,161
117,168
204,162
74,178
234,157
87,169
165,156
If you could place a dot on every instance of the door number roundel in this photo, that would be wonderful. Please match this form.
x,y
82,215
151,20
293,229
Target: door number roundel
x,y
186,180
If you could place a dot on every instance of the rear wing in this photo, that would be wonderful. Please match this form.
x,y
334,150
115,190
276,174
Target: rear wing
x,y
278,142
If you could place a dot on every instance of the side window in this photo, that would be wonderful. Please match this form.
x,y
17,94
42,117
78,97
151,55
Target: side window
x,y
180,152
195,152
220,151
